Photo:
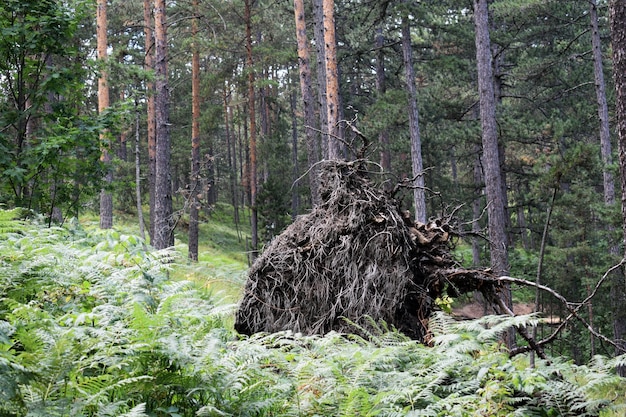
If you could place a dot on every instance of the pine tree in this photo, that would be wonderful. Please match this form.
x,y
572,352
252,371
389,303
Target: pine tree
x,y
163,212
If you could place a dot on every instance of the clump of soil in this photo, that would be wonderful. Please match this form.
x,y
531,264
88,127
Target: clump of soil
x,y
355,259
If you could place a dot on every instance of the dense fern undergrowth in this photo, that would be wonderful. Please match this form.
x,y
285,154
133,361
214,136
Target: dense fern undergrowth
x,y
96,324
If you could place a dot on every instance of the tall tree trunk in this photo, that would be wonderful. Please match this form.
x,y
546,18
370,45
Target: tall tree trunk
x,y
194,187
295,194
122,152
618,38
603,111
312,138
142,231
231,142
106,198
318,12
150,111
491,157
254,235
381,87
476,205
163,222
419,196
332,81
605,135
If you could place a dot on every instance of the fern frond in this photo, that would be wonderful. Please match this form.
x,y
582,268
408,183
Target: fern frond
x,y
137,411
102,393
212,411
12,221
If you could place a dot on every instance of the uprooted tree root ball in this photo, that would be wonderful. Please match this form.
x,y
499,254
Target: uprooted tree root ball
x,y
357,258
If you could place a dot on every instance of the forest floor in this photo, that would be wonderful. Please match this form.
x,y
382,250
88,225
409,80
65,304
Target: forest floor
x,y
477,309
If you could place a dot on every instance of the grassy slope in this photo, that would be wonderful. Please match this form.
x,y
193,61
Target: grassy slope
x,y
222,263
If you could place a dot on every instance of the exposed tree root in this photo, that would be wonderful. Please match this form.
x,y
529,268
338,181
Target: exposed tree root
x,y
358,259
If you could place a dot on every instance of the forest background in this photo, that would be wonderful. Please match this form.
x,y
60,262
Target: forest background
x,y
235,123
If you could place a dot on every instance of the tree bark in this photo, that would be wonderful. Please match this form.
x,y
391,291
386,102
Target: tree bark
x,y
295,194
332,81
491,158
419,196
122,152
106,198
321,74
194,186
381,87
312,138
476,205
618,39
150,111
254,235
163,221
142,231
603,111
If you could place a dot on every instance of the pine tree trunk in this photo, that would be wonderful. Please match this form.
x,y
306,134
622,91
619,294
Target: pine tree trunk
x,y
194,187
491,155
381,87
603,111
254,235
142,231
106,198
321,74
618,38
150,111
231,143
419,196
122,152
295,194
163,222
332,81
476,206
312,139
605,136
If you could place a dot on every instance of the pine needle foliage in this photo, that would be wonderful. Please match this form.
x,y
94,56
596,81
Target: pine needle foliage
x,y
91,325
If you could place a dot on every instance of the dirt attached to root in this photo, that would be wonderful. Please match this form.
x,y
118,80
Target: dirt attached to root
x,y
354,260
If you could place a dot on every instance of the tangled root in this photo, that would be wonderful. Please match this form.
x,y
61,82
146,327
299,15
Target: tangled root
x,y
353,260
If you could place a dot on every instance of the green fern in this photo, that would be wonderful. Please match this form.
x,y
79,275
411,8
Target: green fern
x,y
91,325
12,221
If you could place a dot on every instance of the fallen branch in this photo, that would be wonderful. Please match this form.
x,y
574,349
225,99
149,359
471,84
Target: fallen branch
x,y
573,309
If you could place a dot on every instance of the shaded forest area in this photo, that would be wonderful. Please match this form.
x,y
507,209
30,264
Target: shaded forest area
x,y
212,102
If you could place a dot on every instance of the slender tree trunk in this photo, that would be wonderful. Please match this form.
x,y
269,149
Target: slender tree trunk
x,y
618,38
163,222
232,155
295,194
122,152
150,111
312,138
542,251
332,81
491,157
252,152
603,110
106,198
419,196
321,74
142,231
476,206
381,87
194,188
605,136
